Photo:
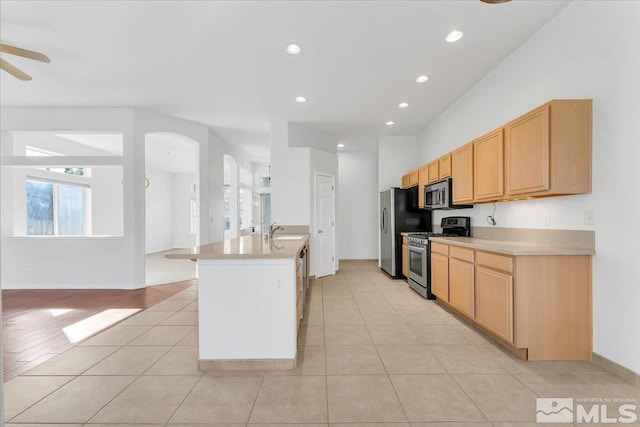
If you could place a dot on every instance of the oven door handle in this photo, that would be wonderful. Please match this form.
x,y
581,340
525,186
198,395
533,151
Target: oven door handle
x,y
418,248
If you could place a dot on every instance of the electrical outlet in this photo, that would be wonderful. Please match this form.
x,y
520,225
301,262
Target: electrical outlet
x,y
29,268
588,218
547,220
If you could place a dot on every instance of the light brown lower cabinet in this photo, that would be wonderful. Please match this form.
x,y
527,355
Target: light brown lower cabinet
x,y
494,302
538,306
440,276
461,295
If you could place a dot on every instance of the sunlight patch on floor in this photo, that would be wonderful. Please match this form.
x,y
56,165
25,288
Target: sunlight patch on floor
x,y
96,323
55,312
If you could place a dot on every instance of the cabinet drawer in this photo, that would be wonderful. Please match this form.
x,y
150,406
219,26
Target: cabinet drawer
x,y
461,253
497,262
440,248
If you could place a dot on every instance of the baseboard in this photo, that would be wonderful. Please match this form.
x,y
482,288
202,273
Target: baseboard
x,y
84,286
247,364
616,369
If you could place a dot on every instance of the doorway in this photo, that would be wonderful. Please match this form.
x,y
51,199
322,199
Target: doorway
x,y
171,206
324,225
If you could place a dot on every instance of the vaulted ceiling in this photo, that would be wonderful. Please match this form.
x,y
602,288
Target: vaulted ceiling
x,y
223,63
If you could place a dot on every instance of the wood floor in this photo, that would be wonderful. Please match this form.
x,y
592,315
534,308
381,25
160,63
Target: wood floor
x,y
40,324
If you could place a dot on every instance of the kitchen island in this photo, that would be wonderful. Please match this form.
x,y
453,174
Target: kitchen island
x,y
250,300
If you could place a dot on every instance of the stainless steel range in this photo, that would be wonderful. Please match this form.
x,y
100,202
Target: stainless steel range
x,y
420,253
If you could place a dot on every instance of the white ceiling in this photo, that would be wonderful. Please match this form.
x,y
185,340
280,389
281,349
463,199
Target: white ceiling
x,y
222,63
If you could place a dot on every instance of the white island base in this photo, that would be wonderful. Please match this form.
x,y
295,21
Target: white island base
x,y
247,313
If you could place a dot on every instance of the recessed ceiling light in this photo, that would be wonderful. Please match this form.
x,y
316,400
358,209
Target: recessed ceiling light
x,y
403,105
494,1
340,145
454,36
301,99
423,78
390,123
293,49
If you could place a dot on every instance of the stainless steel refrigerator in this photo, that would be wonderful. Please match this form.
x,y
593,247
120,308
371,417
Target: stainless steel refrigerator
x,y
399,212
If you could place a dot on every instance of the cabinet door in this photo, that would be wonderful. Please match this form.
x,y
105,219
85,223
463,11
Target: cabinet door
x,y
445,166
527,152
462,174
405,260
413,178
461,286
406,179
494,302
423,179
440,276
488,166
434,171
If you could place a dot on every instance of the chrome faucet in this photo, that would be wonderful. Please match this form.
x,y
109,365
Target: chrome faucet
x,y
274,229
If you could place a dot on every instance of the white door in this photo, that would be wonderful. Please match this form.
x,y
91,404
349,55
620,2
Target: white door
x,y
324,226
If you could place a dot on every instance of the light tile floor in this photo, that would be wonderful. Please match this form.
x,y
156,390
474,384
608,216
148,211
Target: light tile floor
x,y
372,353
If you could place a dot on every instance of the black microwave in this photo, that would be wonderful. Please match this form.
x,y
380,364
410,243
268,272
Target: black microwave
x,y
439,195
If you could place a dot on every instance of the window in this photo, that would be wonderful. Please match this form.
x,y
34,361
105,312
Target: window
x,y
227,207
244,205
56,209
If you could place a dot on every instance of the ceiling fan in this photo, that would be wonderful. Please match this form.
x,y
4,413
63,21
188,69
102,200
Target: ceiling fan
x,y
29,54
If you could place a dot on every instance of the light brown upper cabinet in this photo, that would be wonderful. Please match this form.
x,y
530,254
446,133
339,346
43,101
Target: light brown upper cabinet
x,y
410,179
445,166
462,174
405,180
488,167
548,150
434,171
423,179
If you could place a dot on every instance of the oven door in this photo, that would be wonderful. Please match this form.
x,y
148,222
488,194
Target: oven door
x,y
418,264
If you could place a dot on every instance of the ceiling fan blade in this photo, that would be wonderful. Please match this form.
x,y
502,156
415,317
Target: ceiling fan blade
x,y
15,72
12,50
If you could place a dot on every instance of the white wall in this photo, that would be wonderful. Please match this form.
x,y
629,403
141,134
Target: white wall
x,y
290,177
396,156
293,169
110,262
72,262
158,211
357,218
107,201
589,50
181,196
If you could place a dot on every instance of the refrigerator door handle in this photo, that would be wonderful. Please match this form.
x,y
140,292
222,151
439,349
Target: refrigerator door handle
x,y
384,228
